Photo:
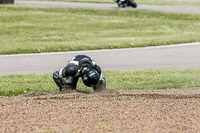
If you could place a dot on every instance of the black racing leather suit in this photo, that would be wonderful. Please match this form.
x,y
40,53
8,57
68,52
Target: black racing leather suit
x,y
74,69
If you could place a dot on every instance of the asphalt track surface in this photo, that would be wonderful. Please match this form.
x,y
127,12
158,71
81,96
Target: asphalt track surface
x,y
162,8
169,56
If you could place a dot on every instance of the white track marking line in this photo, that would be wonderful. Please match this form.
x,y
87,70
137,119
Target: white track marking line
x,y
103,50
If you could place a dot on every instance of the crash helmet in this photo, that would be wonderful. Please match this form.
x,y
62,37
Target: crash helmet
x,y
90,77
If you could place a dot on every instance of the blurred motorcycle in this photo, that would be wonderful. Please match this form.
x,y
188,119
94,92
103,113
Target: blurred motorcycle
x,y
125,3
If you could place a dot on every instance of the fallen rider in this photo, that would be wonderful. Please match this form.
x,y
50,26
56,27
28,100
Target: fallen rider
x,y
80,66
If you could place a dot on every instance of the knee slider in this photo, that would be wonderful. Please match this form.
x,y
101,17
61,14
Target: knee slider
x,y
56,75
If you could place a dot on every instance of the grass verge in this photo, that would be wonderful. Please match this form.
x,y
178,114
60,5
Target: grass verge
x,y
134,79
34,30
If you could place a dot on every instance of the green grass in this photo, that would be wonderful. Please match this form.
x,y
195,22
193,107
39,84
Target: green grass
x,y
33,30
134,79
139,2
